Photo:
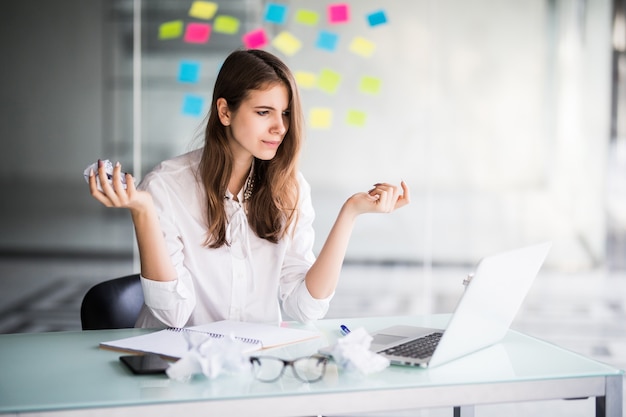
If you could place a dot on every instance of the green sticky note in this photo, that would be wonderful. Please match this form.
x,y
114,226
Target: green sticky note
x,y
171,30
226,24
286,43
305,79
328,81
356,118
307,17
320,118
203,9
370,85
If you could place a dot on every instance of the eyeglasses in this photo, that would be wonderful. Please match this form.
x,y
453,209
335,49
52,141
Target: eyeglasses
x,y
306,369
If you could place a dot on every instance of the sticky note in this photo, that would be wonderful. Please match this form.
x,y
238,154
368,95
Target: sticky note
x,y
328,81
188,72
370,85
192,105
362,46
377,18
338,13
320,118
275,13
171,30
307,17
305,79
255,39
327,40
197,32
356,118
286,43
203,9
226,24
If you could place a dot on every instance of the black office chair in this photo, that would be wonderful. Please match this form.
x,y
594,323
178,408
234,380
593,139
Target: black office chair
x,y
113,304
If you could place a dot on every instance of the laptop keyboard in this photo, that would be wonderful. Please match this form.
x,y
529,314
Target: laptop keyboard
x,y
416,348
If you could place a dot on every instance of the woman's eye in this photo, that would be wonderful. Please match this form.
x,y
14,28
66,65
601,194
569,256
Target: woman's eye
x,y
263,112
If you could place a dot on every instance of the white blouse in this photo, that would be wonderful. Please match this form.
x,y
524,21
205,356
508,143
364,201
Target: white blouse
x,y
247,281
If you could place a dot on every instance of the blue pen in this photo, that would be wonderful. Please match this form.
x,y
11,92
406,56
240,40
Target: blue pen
x,y
344,329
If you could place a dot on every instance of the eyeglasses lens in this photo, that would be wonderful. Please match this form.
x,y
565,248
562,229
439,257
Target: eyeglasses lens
x,y
269,369
309,369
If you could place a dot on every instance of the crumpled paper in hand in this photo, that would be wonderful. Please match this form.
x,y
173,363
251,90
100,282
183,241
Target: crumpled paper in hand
x,y
108,167
352,353
210,358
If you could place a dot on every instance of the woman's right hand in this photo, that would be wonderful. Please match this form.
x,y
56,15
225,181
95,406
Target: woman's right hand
x,y
113,194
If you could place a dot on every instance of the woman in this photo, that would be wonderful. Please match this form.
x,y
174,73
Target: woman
x,y
225,231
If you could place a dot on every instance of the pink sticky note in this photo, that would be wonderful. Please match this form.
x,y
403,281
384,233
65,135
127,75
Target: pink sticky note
x,y
255,39
338,13
197,32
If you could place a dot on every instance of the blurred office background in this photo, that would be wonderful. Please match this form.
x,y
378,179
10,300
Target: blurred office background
x,y
507,118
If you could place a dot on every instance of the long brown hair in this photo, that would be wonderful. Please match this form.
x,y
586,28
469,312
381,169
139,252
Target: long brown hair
x,y
272,207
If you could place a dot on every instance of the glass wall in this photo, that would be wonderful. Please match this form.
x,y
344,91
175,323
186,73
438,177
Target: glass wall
x,y
496,113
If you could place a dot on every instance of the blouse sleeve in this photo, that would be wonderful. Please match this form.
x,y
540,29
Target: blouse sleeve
x,y
171,302
296,300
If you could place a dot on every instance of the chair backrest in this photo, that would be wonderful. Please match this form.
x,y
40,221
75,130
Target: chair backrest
x,y
113,304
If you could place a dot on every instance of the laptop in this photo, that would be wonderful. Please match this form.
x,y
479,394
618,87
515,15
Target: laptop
x,y
481,318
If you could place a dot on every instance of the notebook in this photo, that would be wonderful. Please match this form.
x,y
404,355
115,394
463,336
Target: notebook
x,y
481,318
173,342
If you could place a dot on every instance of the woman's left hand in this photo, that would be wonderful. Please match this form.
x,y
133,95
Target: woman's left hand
x,y
383,198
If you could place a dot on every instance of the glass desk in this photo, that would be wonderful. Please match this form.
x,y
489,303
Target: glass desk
x,y
66,374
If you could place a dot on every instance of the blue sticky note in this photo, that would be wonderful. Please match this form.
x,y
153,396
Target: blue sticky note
x,y
327,40
377,18
192,105
275,13
188,72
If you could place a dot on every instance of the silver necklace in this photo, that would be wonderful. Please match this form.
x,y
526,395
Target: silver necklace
x,y
249,188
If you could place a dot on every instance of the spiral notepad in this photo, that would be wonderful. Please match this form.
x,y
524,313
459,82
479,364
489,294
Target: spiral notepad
x,y
212,335
172,343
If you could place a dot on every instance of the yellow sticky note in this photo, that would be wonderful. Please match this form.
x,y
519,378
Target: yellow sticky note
x,y
328,81
226,24
286,43
362,46
307,17
203,9
321,117
305,79
370,85
356,118
171,30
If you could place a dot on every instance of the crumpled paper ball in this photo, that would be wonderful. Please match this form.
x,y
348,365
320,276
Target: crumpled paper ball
x,y
353,353
211,358
108,167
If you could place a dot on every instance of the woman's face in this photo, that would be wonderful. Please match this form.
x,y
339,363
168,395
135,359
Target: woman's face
x,y
258,127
